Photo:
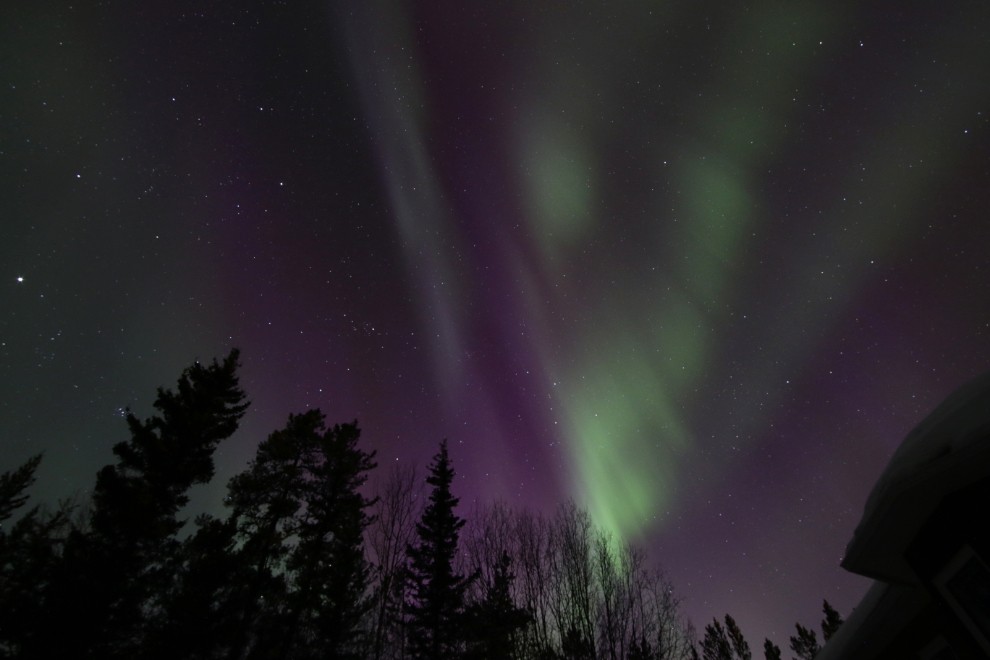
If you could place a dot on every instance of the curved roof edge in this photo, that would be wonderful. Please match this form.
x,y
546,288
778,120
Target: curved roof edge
x,y
947,451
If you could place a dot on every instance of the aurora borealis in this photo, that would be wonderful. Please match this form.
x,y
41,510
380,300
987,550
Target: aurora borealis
x,y
698,266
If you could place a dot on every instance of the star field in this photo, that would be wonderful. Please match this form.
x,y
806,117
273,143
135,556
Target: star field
x,y
700,267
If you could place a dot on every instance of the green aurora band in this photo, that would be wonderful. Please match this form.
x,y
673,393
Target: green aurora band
x,y
623,375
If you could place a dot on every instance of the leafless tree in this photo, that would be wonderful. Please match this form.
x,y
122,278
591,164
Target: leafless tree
x,y
396,512
576,592
579,583
489,533
534,580
674,635
618,571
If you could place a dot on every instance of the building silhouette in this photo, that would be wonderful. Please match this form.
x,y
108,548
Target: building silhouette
x,y
925,540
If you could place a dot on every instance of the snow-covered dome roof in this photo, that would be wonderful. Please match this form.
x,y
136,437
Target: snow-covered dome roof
x,y
947,451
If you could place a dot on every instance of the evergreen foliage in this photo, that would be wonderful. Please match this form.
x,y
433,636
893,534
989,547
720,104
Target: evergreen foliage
x,y
725,643
265,502
641,649
493,624
831,622
436,591
285,573
28,553
770,650
301,520
739,644
716,644
331,575
113,571
12,487
577,646
805,644
198,616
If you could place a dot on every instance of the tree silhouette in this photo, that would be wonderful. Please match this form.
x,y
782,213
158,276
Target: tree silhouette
x,y
286,576
29,550
640,650
716,644
725,643
739,643
494,623
112,570
831,622
575,645
265,502
12,487
198,618
436,592
805,644
328,563
394,527
575,601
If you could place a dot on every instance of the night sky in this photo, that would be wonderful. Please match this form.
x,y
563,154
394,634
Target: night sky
x,y
699,266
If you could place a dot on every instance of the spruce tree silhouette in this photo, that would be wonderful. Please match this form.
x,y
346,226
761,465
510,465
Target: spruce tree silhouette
x,y
805,644
493,624
739,643
831,622
575,645
716,644
112,571
436,593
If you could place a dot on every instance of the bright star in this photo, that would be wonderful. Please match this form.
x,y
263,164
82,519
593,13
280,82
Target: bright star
x,y
20,279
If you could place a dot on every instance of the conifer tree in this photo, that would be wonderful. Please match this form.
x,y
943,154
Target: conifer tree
x,y
265,502
328,563
197,617
805,644
716,644
436,592
29,550
285,576
640,650
112,570
494,623
770,650
575,645
725,643
739,643
831,622
12,487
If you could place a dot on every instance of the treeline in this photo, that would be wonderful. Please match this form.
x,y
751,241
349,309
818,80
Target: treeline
x,y
306,565
728,643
